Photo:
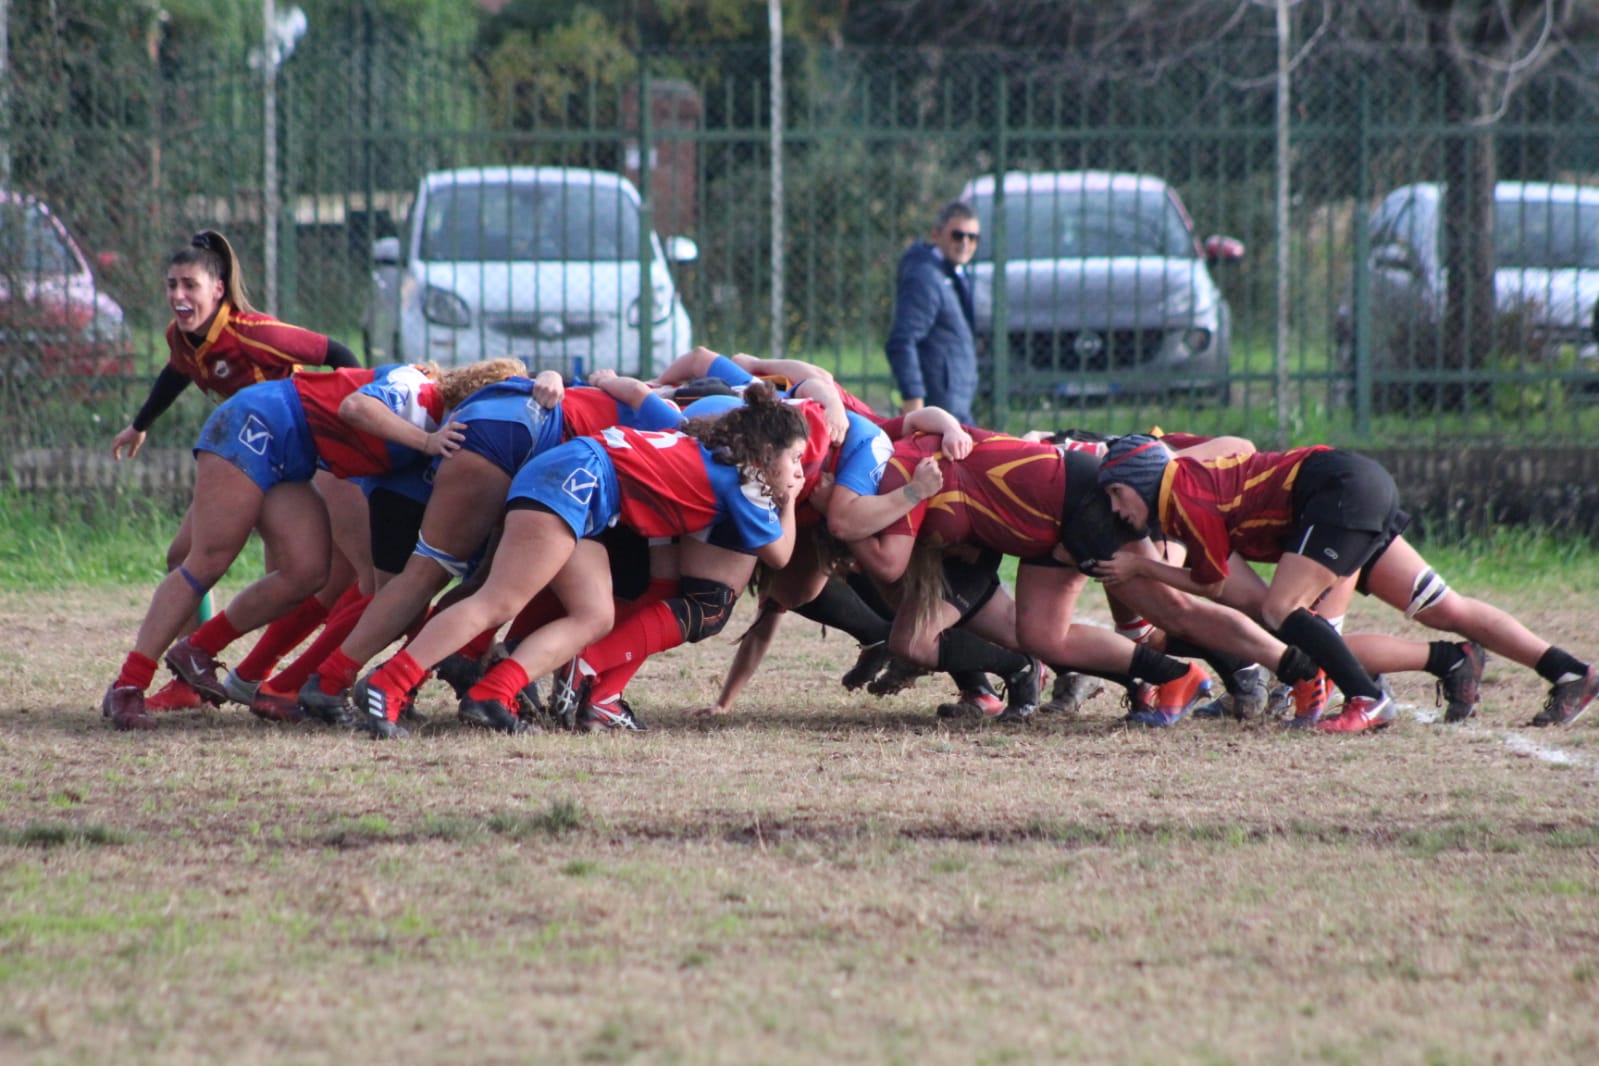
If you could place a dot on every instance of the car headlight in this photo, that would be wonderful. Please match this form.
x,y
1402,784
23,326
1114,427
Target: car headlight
x,y
661,307
1197,340
442,307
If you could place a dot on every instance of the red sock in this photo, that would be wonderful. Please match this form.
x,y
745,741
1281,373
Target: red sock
x,y
501,683
640,634
399,675
341,621
612,683
214,635
540,610
479,645
281,636
337,672
137,671
657,590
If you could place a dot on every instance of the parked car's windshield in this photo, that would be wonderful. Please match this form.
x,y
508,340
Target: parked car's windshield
x,y
30,245
529,222
1548,236
1074,223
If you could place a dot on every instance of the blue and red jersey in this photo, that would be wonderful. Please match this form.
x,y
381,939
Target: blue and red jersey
x,y
348,452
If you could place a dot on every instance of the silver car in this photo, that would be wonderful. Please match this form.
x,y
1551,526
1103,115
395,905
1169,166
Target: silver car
x,y
1107,289
1546,259
537,262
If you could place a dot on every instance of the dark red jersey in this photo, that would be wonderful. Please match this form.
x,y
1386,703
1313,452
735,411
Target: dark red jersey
x,y
1006,495
243,349
1235,503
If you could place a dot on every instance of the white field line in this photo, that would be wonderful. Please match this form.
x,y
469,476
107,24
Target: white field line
x,y
1518,743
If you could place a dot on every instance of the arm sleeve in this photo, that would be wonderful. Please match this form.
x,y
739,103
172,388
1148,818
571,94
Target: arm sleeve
x,y
169,385
915,308
339,357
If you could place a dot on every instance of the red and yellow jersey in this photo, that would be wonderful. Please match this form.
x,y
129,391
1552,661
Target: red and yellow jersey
x,y
242,349
1235,503
1006,495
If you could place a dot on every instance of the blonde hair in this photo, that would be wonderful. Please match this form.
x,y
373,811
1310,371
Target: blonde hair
x,y
211,251
458,383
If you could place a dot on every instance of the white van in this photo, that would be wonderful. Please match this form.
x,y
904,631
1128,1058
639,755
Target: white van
x,y
537,262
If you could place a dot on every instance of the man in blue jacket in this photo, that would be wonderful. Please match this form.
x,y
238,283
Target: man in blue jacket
x,y
930,346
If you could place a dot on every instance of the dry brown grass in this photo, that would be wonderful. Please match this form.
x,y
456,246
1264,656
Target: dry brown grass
x,y
818,878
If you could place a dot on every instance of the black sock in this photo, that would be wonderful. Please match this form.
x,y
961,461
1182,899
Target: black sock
x,y
1155,667
1224,663
1558,664
841,607
1295,666
1322,643
868,592
971,681
1442,657
959,651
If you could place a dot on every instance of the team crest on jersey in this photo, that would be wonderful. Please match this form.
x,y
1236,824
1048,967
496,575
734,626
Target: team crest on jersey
x,y
580,485
255,435
220,369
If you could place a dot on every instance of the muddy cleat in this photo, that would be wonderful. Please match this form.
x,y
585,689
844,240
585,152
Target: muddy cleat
x,y
1070,692
612,714
199,669
528,704
314,703
124,705
1280,702
896,677
976,704
1458,689
175,695
492,714
372,706
1568,699
871,661
1139,697
568,691
275,706
1021,693
1310,701
238,689
460,672
1174,699
1360,714
1245,699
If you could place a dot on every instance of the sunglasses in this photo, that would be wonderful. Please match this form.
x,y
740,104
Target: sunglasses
x,y
964,235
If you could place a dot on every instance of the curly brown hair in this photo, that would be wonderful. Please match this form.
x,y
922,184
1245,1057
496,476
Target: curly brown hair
x,y
751,437
457,383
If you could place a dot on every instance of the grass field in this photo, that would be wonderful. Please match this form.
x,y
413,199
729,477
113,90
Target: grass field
x,y
816,878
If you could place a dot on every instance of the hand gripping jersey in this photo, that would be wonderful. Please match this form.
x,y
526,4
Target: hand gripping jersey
x,y
1007,494
1236,503
242,349
341,448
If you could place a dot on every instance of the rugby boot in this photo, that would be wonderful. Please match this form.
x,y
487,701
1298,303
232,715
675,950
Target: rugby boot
x,y
974,704
1174,699
1458,690
611,714
199,669
1021,693
1568,699
124,705
492,714
275,706
868,664
1360,714
175,695
1310,701
1069,692
372,707
314,703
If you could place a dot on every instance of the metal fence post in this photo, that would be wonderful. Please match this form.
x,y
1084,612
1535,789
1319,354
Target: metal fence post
x,y
646,231
999,328
1360,326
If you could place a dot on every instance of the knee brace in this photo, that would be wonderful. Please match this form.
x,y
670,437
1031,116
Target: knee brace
x,y
1428,589
701,607
456,568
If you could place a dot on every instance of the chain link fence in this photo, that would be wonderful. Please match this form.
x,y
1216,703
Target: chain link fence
x,y
119,166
